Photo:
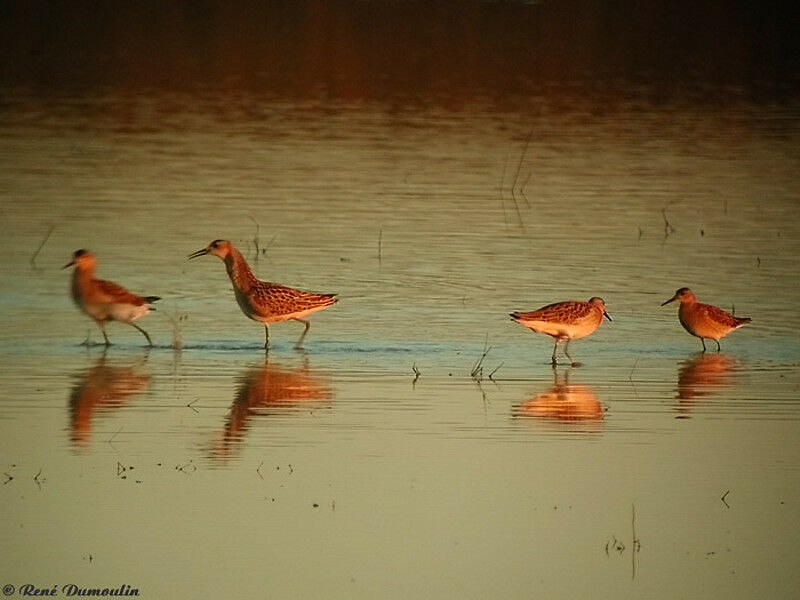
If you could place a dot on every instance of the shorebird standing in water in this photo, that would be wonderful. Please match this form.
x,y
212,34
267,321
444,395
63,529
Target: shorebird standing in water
x,y
105,301
704,320
565,321
263,301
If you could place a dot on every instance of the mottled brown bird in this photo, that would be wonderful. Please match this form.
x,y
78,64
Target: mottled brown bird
x,y
564,321
264,301
704,320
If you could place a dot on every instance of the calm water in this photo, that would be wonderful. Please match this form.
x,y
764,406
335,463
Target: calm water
x,y
650,471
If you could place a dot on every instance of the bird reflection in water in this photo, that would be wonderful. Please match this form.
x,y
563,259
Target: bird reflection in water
x,y
269,389
563,403
101,390
702,375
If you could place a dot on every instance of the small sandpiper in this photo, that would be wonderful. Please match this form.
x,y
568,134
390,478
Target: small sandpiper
x,y
263,301
704,320
565,321
105,301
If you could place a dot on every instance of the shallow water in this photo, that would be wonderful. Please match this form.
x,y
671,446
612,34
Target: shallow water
x,y
651,470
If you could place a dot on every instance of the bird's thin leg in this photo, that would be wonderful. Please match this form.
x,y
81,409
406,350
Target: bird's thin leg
x,y
103,331
702,341
718,346
266,337
299,343
149,341
571,360
555,348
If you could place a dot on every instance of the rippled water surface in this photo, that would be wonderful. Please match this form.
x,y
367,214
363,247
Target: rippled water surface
x,y
420,445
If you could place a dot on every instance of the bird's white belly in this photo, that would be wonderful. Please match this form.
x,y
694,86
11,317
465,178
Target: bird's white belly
x,y
97,311
127,312
557,330
110,311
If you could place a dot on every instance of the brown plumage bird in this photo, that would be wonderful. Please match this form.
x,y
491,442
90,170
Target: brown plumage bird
x,y
264,301
105,301
565,321
703,320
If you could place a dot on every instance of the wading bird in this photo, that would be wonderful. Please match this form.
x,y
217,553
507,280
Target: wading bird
x,y
565,321
263,301
704,320
105,301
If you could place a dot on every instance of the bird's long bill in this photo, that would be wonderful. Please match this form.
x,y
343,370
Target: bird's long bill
x,y
69,264
605,314
675,297
202,252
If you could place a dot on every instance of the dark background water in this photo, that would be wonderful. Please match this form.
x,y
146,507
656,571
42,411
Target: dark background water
x,y
440,52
